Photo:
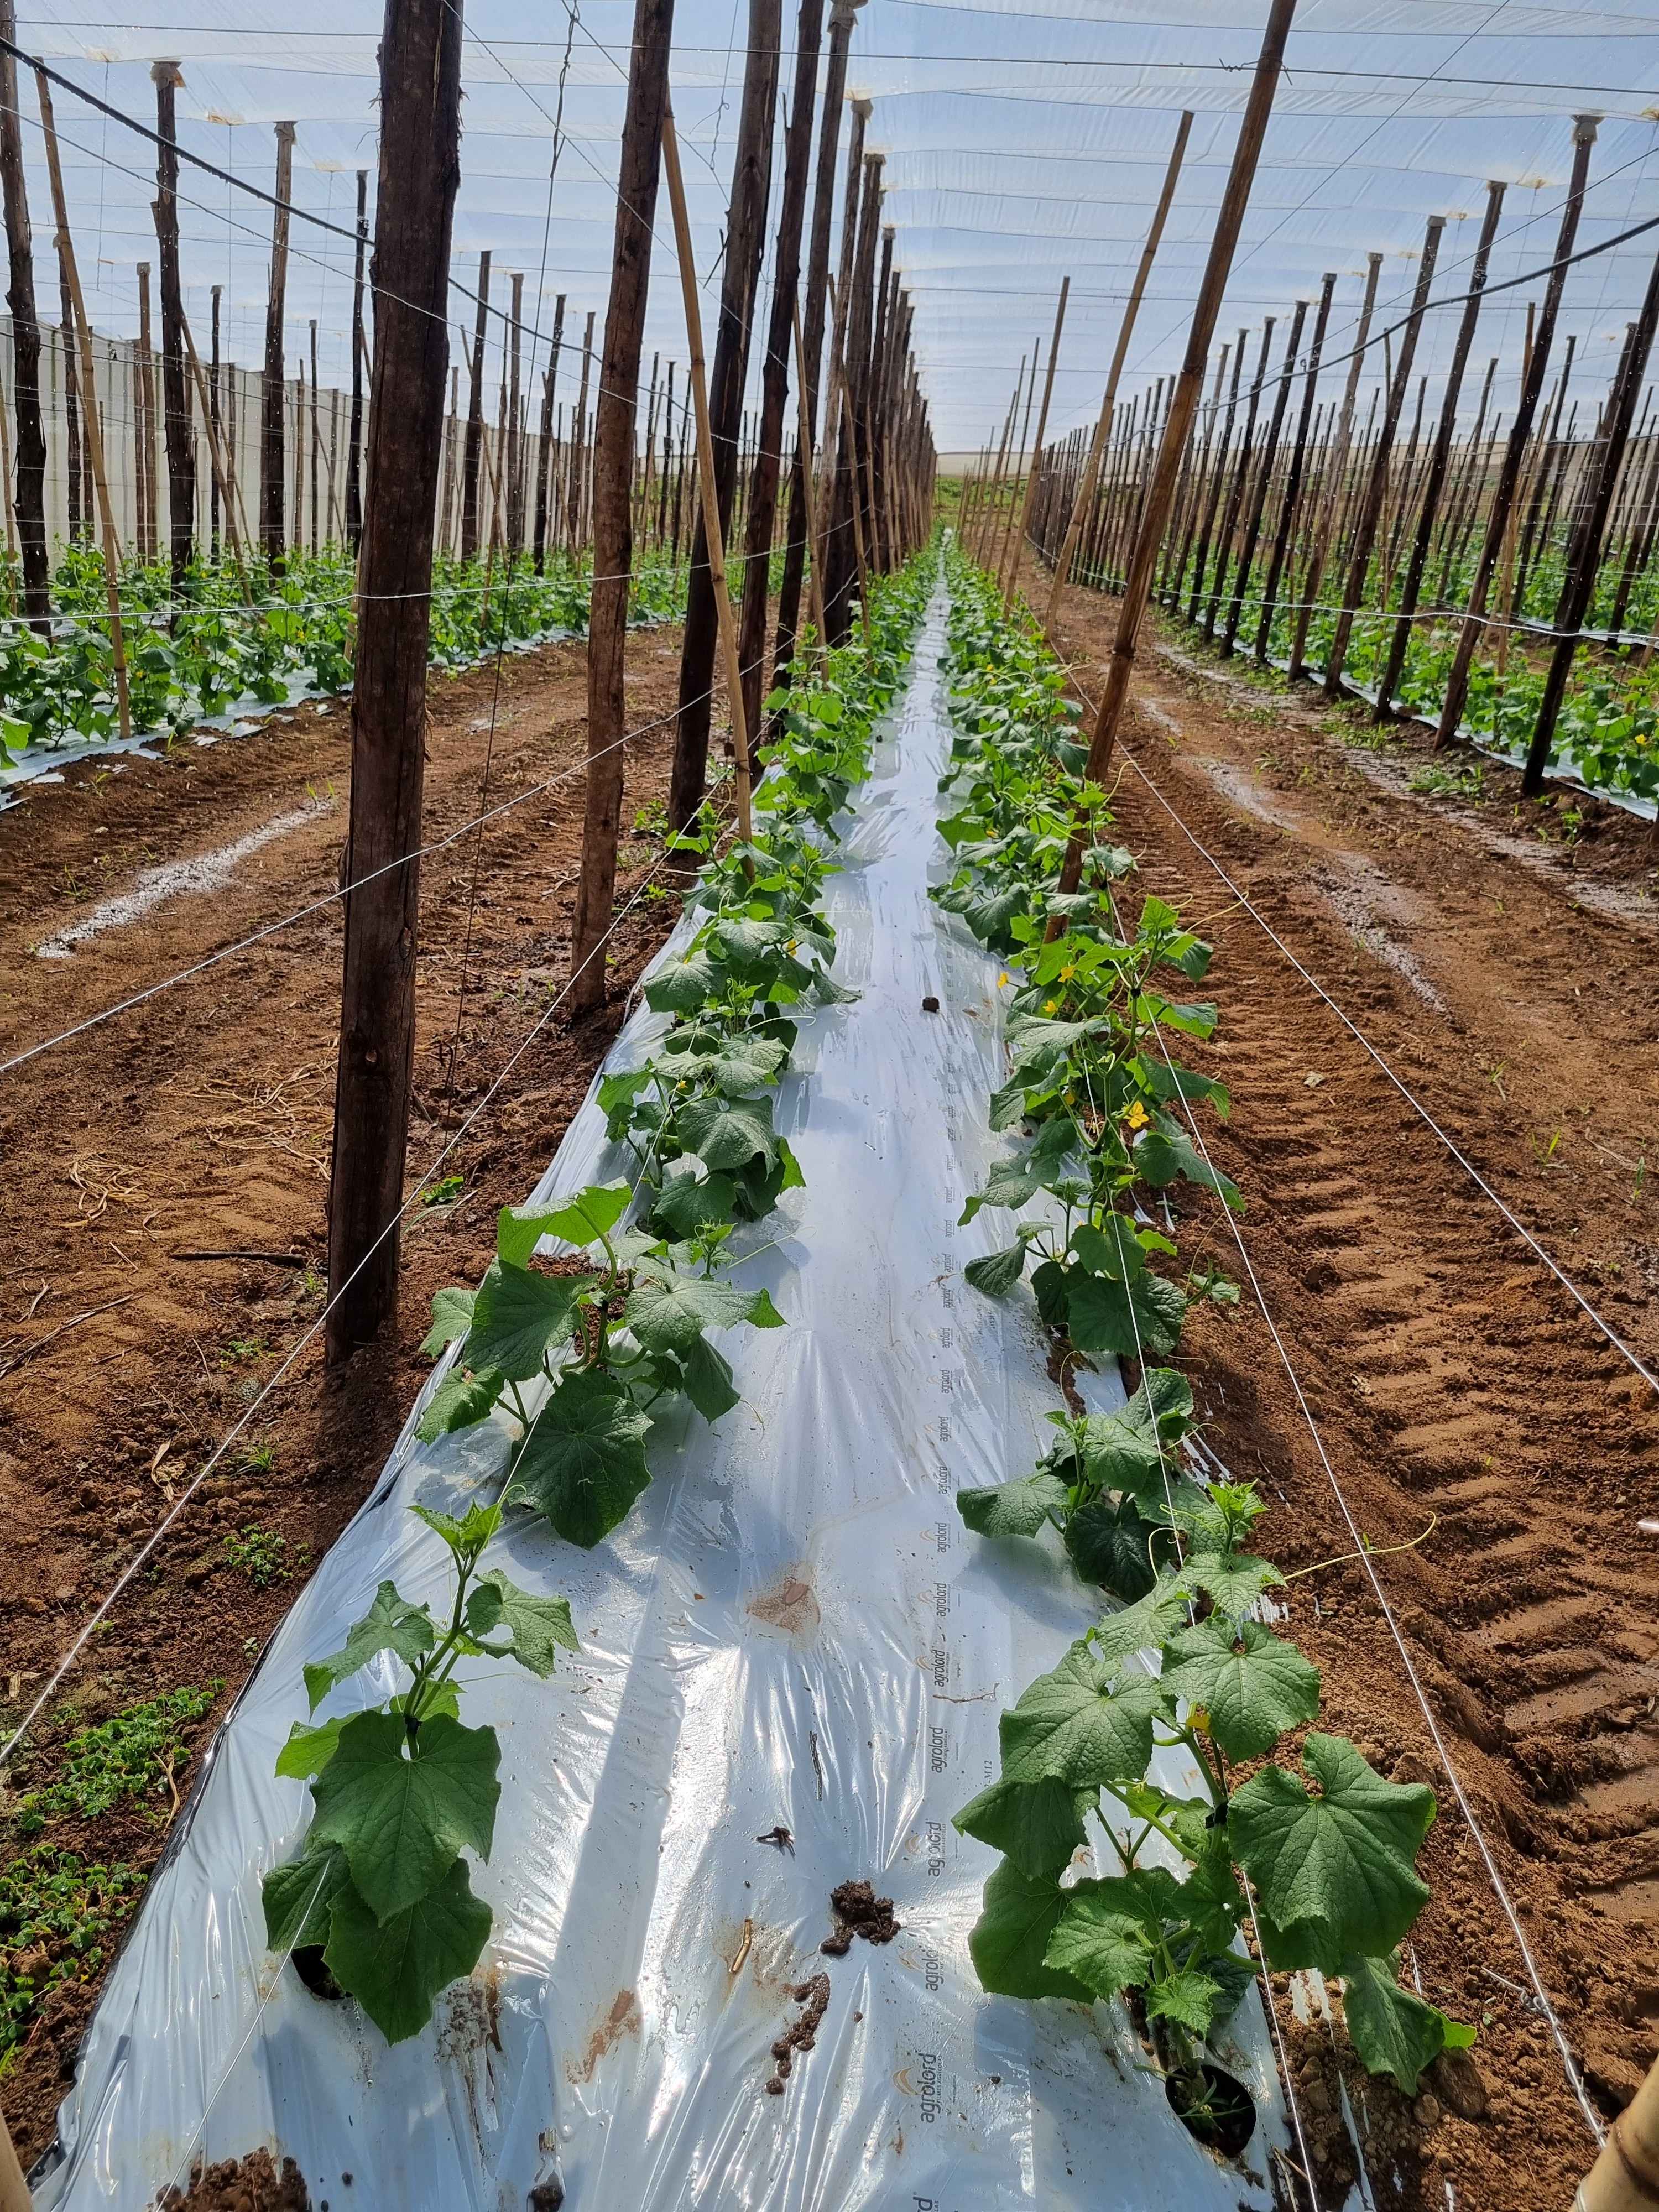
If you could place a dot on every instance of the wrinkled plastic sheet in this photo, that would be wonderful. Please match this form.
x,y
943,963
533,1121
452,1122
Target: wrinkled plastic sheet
x,y
792,1627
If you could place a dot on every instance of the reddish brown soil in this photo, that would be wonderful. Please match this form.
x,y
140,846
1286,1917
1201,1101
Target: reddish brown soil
x,y
201,1120
1505,971
248,2184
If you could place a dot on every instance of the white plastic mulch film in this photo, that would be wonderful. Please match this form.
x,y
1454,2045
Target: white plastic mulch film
x,y
1023,144
792,1628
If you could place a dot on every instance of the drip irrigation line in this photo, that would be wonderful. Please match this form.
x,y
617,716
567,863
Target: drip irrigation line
x,y
150,1544
331,898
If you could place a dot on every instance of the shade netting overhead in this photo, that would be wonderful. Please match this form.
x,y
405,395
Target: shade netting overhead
x,y
1022,144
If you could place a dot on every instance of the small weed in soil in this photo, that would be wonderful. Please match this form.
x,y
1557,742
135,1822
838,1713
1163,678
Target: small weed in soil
x,y
264,1556
245,2185
859,1912
57,1914
814,1997
138,1754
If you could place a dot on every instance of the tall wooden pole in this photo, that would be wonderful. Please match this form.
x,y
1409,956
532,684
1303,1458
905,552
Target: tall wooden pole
x,y
545,450
1086,482
694,377
273,389
817,273
175,392
1292,498
775,375
1584,548
1024,523
1515,454
614,416
805,434
1371,511
143,428
1331,491
95,428
514,455
420,169
354,492
1263,479
745,241
475,424
1439,460
1178,422
1236,491
31,495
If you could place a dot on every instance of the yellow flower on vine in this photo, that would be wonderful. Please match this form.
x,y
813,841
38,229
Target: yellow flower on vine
x,y
1137,1117
1051,1005
1068,972
1002,979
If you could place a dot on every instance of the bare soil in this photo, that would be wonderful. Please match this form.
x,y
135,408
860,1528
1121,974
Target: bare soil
x,y
1498,955
200,1122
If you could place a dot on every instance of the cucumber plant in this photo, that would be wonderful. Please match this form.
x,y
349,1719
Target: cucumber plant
x,y
1318,1867
379,1902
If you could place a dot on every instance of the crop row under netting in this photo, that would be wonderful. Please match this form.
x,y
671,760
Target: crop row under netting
x,y
1488,563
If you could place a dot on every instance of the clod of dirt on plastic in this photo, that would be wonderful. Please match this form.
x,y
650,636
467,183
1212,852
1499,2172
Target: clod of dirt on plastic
x,y
814,1997
930,1006
859,1912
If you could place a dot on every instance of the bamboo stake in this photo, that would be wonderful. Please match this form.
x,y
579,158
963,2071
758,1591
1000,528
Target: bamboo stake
x,y
814,573
219,475
14,2189
715,547
94,421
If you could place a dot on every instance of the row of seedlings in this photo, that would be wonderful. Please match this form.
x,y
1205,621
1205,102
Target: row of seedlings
x,y
571,1366
1315,1867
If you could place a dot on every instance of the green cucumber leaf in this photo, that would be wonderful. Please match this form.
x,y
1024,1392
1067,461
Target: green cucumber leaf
x,y
1165,1150
299,1897
708,1381
1185,1996
460,1401
580,1220
1335,1873
1393,2031
1111,1545
729,1133
1106,1950
1138,1319
1083,1724
997,1273
1013,1509
583,1462
391,1624
1253,1686
668,1313
1038,1824
1234,1579
394,1967
1145,1625
452,1316
1009,1940
685,986
521,1317
540,1626
688,1203
400,1820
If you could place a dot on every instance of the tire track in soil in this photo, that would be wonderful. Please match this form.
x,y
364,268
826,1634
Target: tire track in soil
x,y
1450,1376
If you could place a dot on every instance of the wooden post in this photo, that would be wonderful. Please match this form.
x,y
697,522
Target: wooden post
x,y
14,2189
1263,477
544,451
31,497
615,411
513,460
855,332
1377,486
711,533
354,496
475,422
273,389
1515,454
175,396
1086,482
1036,451
817,273
1584,548
213,422
1218,481
1331,489
1439,460
1292,498
93,425
1235,490
316,442
143,429
805,436
1178,422
221,469
775,372
745,241
574,490
419,165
